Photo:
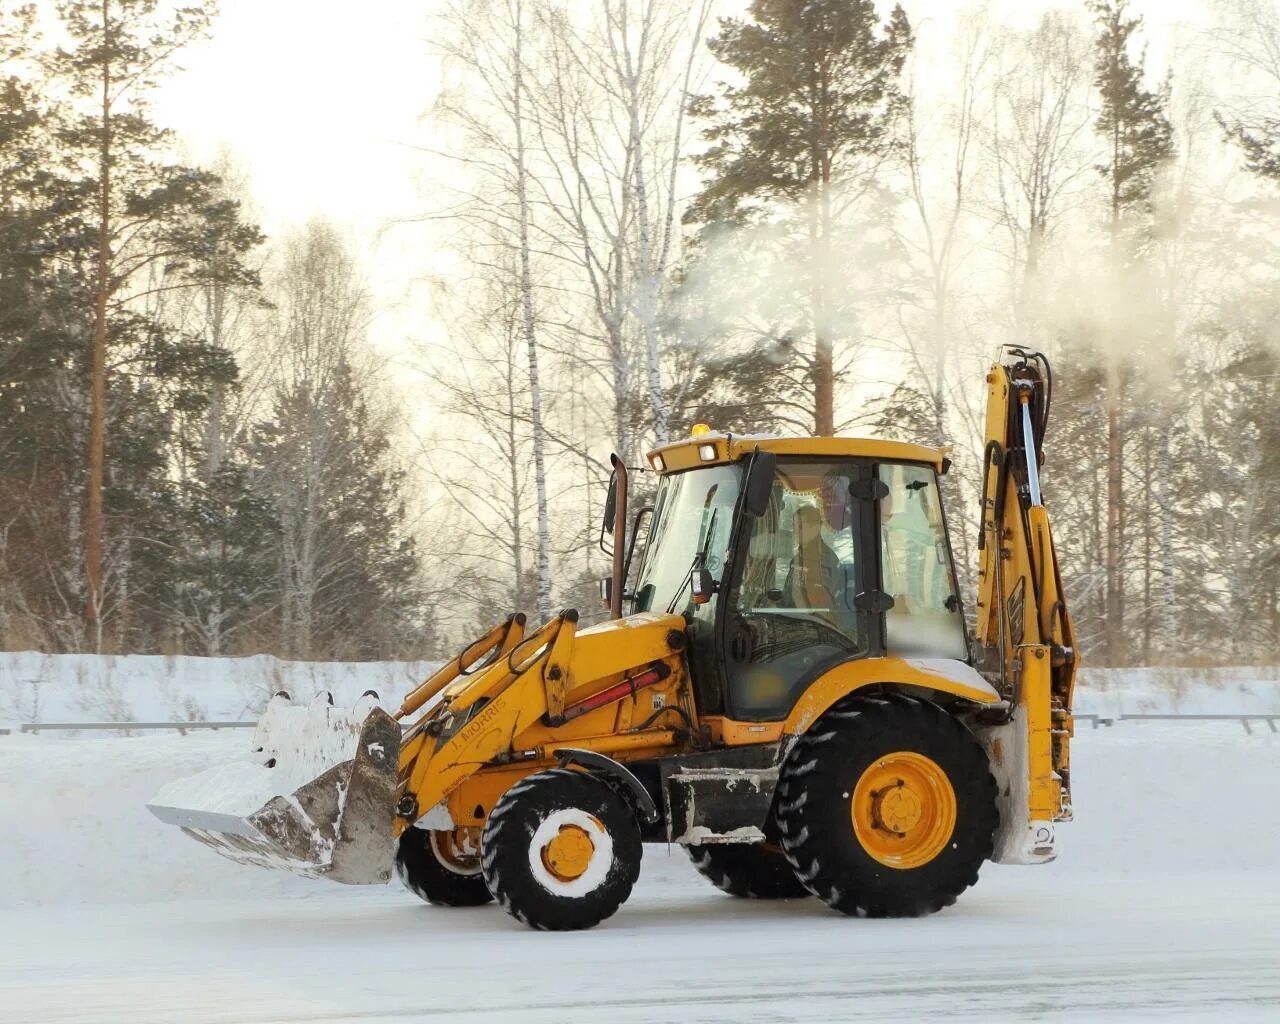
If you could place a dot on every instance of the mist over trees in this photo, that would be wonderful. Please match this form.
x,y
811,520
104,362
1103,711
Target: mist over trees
x,y
783,216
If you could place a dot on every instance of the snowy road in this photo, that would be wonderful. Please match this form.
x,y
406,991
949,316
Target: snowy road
x,y
1018,947
1165,905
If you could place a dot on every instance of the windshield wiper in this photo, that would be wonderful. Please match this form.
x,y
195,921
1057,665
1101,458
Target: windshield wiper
x,y
699,561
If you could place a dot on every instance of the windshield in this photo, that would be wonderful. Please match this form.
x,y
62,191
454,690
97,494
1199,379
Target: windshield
x,y
693,512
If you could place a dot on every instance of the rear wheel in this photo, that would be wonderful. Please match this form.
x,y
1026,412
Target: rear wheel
x,y
886,808
747,870
561,850
435,867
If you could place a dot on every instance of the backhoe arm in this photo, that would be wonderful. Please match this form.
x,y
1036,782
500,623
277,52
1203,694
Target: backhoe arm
x,y
1023,628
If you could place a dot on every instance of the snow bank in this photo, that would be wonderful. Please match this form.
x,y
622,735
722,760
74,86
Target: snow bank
x,y
142,688
292,745
1209,691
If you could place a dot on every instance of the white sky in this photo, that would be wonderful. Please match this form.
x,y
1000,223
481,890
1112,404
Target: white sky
x,y
320,99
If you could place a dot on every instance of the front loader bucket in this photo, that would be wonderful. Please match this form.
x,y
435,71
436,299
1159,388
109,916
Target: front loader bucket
x,y
315,796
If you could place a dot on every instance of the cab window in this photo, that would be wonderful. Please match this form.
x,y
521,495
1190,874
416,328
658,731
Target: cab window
x,y
915,559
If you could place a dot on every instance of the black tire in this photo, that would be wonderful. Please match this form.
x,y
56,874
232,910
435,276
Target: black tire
x,y
432,878
535,810
747,870
815,818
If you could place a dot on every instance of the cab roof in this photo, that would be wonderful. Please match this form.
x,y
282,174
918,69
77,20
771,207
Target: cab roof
x,y
695,450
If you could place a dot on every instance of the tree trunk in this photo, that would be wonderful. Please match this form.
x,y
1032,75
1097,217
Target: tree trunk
x,y
98,391
1148,569
648,270
1115,522
824,416
530,333
647,304
1165,498
1115,449
513,481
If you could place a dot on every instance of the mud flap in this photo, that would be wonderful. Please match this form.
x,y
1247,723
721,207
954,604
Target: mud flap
x,y
335,826
1020,838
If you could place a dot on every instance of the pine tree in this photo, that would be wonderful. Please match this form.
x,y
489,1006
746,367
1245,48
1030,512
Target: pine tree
x,y
1238,512
1139,141
1132,120
42,243
349,567
346,568
815,112
155,226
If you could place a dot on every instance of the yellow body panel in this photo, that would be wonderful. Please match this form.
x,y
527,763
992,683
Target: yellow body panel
x,y
732,733
554,669
844,679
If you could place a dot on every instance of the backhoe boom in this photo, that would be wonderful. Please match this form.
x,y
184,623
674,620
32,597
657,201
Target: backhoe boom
x,y
1024,634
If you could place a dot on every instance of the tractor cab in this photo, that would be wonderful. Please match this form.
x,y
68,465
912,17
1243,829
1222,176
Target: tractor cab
x,y
789,557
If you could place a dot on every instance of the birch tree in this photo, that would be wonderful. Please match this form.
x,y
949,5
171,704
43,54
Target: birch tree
x,y
1040,144
481,453
940,203
489,45
611,104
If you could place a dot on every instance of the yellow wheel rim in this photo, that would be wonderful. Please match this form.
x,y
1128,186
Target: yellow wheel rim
x,y
903,809
568,853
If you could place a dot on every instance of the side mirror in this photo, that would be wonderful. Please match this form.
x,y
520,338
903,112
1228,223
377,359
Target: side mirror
x,y
759,484
611,503
703,585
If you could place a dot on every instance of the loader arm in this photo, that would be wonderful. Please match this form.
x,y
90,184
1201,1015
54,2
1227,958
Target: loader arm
x,y
1025,641
556,688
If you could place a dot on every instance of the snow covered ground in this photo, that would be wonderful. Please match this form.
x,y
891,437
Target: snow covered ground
x,y
1164,904
153,688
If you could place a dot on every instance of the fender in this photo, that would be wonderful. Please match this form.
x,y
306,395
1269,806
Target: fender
x,y
602,765
942,675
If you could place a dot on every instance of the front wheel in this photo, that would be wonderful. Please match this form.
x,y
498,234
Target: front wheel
x,y
561,850
436,868
887,808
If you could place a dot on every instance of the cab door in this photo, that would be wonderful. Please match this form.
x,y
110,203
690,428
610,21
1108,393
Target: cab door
x,y
796,606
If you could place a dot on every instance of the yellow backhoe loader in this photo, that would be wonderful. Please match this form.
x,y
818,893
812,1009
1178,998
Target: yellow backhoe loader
x,y
785,687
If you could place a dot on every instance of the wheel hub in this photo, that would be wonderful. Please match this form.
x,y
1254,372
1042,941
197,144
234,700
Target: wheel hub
x,y
568,853
897,809
903,809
